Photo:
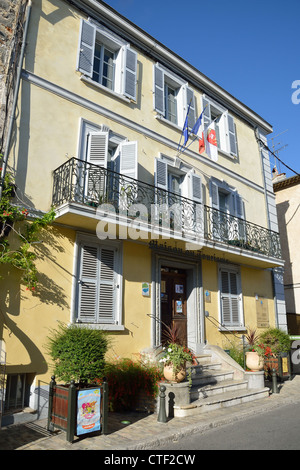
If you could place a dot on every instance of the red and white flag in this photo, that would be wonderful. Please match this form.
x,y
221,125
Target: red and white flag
x,y
201,143
211,143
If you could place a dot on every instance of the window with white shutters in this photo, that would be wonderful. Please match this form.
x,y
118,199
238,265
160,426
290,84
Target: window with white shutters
x,y
228,220
188,186
173,97
224,125
98,283
231,302
104,150
107,60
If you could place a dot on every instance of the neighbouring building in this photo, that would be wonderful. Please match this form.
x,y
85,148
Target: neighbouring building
x,y
145,235
287,192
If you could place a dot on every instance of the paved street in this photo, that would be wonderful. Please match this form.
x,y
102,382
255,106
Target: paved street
x,y
144,432
278,429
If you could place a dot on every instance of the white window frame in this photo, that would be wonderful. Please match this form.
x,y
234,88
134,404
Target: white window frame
x,y
225,126
240,323
184,96
84,238
125,59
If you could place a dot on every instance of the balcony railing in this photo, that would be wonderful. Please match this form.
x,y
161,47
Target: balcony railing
x,y
81,182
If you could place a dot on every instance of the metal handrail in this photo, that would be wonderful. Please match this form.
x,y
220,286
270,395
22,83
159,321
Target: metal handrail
x,y
86,183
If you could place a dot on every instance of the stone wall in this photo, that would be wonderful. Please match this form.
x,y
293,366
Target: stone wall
x,y
11,31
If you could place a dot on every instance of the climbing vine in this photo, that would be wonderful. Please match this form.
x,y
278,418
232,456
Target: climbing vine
x,y
22,257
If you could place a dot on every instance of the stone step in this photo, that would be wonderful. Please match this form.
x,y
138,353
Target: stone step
x,y
200,358
221,400
205,391
212,377
200,368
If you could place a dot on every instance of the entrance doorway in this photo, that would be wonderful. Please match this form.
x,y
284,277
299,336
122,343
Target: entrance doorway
x,y
174,303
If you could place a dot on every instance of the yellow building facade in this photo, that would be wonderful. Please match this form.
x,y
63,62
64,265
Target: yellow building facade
x,y
144,235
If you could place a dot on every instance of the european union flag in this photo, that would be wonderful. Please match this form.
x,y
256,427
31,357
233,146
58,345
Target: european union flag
x,y
186,130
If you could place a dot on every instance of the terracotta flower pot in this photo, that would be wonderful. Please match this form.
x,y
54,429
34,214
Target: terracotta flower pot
x,y
254,361
170,375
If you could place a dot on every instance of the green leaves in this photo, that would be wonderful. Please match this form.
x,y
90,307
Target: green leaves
x,y
78,353
23,256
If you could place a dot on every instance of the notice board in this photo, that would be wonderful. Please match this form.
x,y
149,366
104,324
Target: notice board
x,y
262,312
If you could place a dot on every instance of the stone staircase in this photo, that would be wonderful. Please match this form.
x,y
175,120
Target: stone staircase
x,y
217,381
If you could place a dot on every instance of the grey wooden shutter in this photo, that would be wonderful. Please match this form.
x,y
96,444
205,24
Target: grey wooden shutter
x,y
130,73
106,311
190,98
88,281
161,192
230,298
159,100
232,136
196,187
240,213
214,215
85,60
161,174
214,195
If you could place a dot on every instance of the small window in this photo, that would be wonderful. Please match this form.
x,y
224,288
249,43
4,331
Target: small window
x,y
107,60
170,104
104,66
173,97
224,125
227,218
16,396
98,283
231,302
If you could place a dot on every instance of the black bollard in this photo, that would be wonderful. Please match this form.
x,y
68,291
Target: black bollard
x,y
162,416
274,382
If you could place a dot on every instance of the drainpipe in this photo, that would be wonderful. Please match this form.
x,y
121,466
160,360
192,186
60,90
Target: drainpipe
x,y
15,99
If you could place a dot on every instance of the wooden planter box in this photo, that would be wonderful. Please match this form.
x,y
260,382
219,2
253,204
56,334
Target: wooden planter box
x,y
63,407
282,365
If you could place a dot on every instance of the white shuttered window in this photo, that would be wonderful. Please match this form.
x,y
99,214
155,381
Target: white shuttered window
x,y
230,298
98,283
173,97
107,59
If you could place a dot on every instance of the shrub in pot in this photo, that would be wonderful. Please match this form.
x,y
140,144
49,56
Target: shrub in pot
x,y
78,353
277,340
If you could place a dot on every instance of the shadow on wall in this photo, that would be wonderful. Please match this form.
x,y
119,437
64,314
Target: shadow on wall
x,y
49,292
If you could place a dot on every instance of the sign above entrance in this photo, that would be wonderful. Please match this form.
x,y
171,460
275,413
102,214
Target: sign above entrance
x,y
196,255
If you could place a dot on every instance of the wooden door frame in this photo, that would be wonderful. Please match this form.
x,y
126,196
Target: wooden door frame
x,y
195,298
172,279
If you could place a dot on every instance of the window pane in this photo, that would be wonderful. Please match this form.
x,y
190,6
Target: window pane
x,y
14,391
103,68
97,62
108,69
171,104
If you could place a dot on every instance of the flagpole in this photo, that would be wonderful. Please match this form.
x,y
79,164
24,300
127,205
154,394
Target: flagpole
x,y
185,122
204,130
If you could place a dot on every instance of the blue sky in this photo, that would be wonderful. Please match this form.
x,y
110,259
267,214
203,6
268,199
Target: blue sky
x,y
250,48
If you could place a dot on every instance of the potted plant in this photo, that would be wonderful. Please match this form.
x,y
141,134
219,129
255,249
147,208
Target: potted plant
x,y
254,360
174,359
277,345
78,355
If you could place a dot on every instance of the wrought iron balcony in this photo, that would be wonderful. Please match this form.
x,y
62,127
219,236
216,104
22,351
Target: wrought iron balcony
x,y
77,181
